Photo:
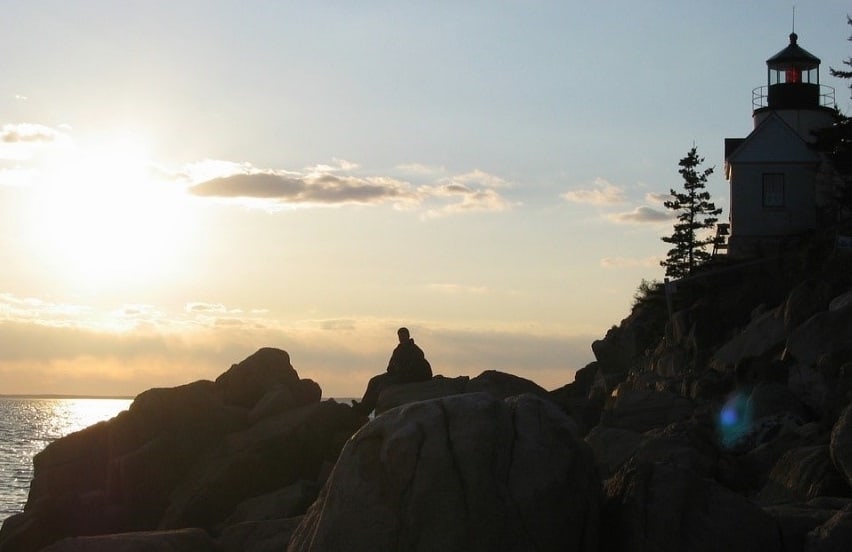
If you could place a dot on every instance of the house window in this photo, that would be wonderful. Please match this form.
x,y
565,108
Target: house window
x,y
773,190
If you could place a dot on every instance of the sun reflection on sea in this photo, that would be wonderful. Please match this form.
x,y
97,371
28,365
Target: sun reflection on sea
x,y
72,415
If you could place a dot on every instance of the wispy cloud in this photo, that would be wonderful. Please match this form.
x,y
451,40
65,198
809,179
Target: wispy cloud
x,y
480,178
336,166
32,309
421,169
603,193
205,308
464,199
640,215
459,288
657,198
340,354
28,133
20,141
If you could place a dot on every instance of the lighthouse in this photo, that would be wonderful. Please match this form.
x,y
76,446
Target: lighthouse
x,y
778,180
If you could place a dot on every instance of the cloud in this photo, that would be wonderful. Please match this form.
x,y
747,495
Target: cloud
x,y
657,198
339,325
338,165
420,169
29,133
603,193
459,288
331,185
205,308
20,141
468,201
478,178
320,189
36,310
640,215
623,262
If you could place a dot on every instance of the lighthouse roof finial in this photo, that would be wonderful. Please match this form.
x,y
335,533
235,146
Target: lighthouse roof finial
x,y
793,54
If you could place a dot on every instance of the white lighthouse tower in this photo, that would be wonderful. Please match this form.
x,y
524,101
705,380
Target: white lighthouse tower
x,y
777,179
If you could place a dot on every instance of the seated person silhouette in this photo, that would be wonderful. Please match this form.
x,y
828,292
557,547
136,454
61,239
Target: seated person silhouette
x,y
407,365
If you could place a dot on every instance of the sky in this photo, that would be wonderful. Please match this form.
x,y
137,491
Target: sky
x,y
185,182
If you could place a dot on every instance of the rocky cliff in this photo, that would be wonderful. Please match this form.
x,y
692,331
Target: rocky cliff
x,y
716,417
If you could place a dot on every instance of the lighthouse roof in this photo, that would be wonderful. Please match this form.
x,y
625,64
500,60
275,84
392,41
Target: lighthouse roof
x,y
793,56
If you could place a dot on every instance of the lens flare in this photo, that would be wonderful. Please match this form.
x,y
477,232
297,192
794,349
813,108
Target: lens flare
x,y
734,419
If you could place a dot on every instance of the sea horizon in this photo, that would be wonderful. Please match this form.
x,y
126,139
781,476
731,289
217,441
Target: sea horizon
x,y
63,396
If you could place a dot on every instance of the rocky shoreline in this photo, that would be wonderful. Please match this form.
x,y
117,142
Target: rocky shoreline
x,y
721,424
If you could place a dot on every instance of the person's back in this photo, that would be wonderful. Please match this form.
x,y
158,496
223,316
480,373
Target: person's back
x,y
407,364
408,361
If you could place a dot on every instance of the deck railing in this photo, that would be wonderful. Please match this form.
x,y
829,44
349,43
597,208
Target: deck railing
x,y
760,97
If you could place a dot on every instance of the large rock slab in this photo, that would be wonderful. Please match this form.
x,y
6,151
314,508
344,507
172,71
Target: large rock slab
x,y
461,473
641,410
663,507
258,536
263,458
796,521
802,474
497,384
438,386
620,346
764,333
245,383
288,502
826,333
841,444
612,447
183,540
835,535
805,300
502,385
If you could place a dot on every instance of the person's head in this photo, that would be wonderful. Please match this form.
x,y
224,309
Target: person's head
x,y
403,335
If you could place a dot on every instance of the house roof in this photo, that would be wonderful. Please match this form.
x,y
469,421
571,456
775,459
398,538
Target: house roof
x,y
731,144
773,141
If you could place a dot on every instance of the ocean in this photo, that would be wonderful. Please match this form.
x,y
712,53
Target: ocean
x,y
28,424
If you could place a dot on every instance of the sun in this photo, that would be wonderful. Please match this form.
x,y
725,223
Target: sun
x,y
104,218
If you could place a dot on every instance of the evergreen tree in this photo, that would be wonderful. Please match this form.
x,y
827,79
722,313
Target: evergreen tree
x,y
836,142
848,61
694,212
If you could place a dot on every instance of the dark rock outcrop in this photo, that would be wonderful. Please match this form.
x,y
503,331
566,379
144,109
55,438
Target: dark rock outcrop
x,y
721,424
184,457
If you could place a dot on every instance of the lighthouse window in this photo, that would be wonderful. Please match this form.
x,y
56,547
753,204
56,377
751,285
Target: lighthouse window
x,y
773,190
793,75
